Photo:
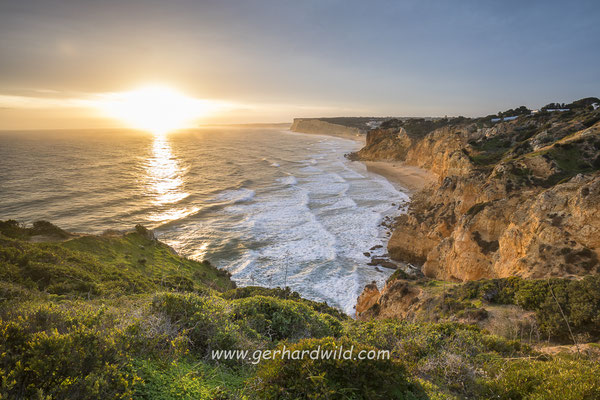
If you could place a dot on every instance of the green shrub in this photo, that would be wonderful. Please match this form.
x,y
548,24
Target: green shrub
x,y
279,319
448,355
187,379
249,291
10,291
400,274
579,300
47,228
327,378
48,353
13,229
557,379
204,319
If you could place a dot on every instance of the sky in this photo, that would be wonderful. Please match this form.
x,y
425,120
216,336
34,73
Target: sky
x,y
271,61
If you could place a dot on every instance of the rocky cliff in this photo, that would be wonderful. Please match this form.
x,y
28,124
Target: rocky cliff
x,y
315,125
518,198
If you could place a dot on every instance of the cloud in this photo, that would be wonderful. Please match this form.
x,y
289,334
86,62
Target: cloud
x,y
31,102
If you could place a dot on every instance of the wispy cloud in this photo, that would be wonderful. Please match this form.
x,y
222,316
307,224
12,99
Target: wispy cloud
x,y
32,102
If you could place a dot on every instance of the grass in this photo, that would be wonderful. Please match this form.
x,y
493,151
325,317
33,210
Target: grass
x,y
187,378
490,151
571,158
139,254
101,265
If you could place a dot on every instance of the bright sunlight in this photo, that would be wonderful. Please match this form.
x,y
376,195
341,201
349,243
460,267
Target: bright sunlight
x,y
157,109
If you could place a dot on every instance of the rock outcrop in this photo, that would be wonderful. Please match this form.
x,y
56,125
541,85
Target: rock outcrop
x,y
367,298
386,145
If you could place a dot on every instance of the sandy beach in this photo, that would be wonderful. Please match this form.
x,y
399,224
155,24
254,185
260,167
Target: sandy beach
x,y
408,176
358,138
398,173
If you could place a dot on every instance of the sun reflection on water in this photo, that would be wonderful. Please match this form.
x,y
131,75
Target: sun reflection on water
x,y
165,182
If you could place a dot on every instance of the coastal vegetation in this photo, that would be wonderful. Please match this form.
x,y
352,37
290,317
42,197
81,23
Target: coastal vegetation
x,y
556,310
82,318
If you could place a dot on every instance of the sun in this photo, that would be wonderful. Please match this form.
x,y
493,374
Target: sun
x,y
155,108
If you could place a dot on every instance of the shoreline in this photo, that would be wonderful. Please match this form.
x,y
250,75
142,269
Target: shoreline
x,y
360,139
408,177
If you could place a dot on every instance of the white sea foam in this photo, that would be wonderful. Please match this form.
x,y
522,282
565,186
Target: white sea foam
x,y
310,170
288,180
313,228
236,196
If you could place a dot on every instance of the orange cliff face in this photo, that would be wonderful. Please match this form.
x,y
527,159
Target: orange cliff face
x,y
515,198
397,299
368,298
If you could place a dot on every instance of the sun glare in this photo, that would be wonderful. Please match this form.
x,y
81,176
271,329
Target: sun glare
x,y
156,109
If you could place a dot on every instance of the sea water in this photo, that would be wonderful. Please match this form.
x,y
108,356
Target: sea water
x,y
275,208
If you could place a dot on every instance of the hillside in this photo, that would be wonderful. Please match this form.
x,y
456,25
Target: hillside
x,y
513,198
120,315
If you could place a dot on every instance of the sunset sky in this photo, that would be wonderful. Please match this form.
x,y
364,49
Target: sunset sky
x,y
270,61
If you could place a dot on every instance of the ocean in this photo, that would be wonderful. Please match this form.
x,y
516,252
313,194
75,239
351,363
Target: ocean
x,y
271,206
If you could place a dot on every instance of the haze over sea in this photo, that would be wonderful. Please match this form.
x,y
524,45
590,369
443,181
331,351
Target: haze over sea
x,y
255,201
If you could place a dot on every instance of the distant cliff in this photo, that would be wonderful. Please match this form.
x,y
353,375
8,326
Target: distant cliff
x,y
315,125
